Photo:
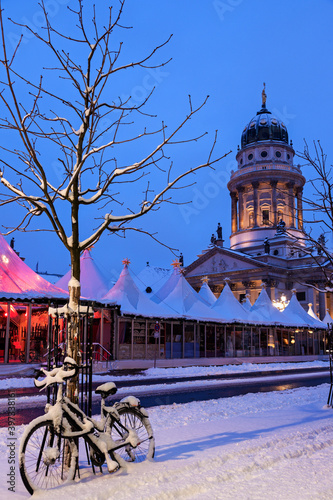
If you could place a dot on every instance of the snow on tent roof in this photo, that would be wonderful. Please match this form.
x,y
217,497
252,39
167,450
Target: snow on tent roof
x,y
94,284
206,294
327,320
311,311
132,301
299,317
178,294
229,309
153,277
18,281
264,312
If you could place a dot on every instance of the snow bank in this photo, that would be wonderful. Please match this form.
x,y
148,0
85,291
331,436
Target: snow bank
x,y
274,445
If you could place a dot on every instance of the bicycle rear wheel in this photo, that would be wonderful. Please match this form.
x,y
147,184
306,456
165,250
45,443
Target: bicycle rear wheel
x,y
47,460
133,419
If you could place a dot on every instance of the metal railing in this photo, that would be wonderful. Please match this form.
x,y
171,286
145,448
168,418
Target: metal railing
x,y
101,352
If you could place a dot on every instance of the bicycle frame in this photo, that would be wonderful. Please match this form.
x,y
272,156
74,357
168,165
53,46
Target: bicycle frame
x,y
71,422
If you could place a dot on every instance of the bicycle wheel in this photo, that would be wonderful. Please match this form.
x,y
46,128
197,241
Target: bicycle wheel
x,y
133,419
47,460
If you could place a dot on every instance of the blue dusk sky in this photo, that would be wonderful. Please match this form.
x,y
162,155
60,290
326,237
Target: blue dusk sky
x,y
224,49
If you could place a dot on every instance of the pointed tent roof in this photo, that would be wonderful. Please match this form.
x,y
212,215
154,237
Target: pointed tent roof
x,y
263,311
327,320
94,284
311,311
299,317
18,281
132,301
151,276
178,294
229,309
206,294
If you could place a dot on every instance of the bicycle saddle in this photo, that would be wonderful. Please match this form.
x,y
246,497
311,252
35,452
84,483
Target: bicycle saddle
x,y
106,389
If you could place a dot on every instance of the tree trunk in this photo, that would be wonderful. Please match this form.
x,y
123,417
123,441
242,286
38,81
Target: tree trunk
x,y
73,344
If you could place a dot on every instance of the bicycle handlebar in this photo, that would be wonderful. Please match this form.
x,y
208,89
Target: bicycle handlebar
x,y
68,370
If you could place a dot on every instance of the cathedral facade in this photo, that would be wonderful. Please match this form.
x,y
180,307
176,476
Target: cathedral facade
x,y
267,242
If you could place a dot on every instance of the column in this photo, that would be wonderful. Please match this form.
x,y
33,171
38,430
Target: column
x,y
27,340
240,190
6,356
101,336
322,304
312,298
291,202
115,346
255,186
132,340
274,206
233,212
299,194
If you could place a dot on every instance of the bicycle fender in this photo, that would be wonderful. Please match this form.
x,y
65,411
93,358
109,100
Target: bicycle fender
x,y
131,401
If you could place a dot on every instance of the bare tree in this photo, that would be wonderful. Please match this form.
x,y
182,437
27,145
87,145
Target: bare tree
x,y
318,210
82,128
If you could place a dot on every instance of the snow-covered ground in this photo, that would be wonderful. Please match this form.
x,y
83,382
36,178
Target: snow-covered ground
x,y
276,445
190,371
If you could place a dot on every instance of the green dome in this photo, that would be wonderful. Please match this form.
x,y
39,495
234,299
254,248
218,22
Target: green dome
x,y
264,127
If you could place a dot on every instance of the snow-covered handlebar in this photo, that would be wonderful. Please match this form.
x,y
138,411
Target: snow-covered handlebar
x,y
68,370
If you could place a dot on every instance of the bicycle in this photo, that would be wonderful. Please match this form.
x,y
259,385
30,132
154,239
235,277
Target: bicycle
x,y
48,454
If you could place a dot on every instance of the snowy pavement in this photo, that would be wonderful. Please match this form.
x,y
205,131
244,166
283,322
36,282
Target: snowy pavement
x,y
276,445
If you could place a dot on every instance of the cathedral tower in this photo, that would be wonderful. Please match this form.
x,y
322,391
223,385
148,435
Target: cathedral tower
x,y
266,189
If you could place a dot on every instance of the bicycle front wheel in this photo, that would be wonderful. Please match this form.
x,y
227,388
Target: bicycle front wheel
x,y
47,460
133,419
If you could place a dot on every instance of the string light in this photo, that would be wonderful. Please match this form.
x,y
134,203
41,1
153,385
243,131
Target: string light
x,y
281,303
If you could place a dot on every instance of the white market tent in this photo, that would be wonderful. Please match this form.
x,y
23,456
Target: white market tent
x,y
206,294
132,301
19,282
299,317
180,297
264,312
311,311
229,309
151,277
94,284
327,320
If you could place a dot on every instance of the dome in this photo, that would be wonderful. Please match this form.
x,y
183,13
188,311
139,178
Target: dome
x,y
264,127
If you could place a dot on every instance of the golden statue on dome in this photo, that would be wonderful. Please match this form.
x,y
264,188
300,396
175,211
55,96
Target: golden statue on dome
x,y
264,96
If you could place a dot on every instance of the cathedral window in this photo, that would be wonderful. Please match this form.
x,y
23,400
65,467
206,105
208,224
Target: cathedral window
x,y
263,154
265,217
278,154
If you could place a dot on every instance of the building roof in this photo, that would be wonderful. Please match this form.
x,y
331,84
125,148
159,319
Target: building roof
x,y
264,127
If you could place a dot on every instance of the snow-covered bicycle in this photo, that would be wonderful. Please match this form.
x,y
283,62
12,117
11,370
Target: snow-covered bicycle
x,y
49,446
